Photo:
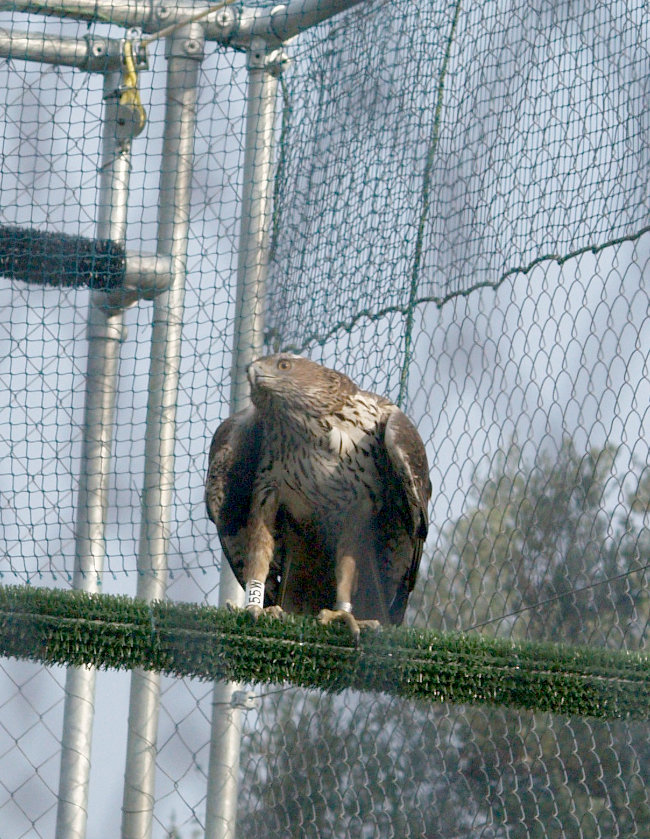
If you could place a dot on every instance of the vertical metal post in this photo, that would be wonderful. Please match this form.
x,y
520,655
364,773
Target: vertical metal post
x,y
184,52
105,333
223,773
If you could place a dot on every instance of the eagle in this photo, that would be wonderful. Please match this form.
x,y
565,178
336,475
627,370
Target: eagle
x,y
319,492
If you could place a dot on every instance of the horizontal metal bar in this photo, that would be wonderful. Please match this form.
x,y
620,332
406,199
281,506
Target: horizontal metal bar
x,y
148,16
277,24
226,24
105,11
94,55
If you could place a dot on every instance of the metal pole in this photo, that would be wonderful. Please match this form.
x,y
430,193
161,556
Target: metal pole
x,y
184,50
223,773
252,260
105,333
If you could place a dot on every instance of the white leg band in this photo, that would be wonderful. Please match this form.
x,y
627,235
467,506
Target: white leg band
x,y
343,606
254,594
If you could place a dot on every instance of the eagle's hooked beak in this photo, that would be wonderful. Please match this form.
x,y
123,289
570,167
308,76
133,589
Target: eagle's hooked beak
x,y
262,371
251,373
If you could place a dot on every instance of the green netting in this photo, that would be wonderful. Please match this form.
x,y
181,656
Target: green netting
x,y
447,145
460,222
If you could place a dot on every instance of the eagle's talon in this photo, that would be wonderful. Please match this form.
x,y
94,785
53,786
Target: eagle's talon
x,y
255,611
252,610
329,615
372,625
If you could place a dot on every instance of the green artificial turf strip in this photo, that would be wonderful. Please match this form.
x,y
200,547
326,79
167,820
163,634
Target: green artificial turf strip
x,y
54,626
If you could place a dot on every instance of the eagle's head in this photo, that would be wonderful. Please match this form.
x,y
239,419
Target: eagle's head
x,y
293,385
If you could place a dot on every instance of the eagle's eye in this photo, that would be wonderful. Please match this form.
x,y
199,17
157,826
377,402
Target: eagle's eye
x,y
284,364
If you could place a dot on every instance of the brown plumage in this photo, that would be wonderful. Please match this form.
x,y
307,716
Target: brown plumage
x,y
319,490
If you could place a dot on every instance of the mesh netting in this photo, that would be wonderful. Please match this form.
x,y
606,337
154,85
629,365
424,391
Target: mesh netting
x,y
460,222
430,150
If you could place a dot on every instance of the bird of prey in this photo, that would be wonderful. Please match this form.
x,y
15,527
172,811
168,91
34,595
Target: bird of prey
x,y
319,492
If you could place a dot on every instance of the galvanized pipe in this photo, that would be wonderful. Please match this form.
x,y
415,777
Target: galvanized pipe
x,y
226,24
223,772
256,210
105,333
277,23
184,52
91,54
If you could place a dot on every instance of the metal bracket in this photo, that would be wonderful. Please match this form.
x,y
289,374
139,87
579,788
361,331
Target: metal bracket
x,y
104,54
224,18
102,326
147,276
244,700
260,57
277,61
185,40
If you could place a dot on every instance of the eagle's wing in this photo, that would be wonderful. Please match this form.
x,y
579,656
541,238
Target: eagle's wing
x,y
232,467
410,491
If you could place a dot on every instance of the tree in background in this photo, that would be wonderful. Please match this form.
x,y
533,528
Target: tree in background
x,y
356,765
552,550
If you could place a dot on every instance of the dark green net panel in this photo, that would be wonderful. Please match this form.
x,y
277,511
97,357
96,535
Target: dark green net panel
x,y
431,149
461,223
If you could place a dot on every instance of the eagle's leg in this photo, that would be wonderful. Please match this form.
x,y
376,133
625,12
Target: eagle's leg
x,y
261,544
346,583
